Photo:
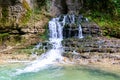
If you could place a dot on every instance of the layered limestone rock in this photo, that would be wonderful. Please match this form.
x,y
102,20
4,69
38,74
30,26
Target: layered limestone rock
x,y
92,29
92,44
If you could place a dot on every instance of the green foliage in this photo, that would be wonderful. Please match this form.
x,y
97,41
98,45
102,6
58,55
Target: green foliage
x,y
26,5
25,18
111,28
44,36
3,36
105,13
105,6
43,4
117,7
5,14
24,51
37,11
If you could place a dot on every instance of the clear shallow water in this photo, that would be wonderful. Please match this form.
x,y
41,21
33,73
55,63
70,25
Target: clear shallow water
x,y
7,72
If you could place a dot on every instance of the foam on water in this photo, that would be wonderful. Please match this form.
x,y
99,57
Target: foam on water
x,y
53,55
56,36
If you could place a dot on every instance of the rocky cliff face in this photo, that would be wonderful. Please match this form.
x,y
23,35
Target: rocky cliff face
x,y
74,6
65,6
12,11
58,7
18,26
17,9
15,12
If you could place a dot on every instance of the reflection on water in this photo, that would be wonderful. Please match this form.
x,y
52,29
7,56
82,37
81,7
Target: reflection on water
x,y
58,73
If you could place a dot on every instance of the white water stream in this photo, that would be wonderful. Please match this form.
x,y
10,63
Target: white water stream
x,y
55,54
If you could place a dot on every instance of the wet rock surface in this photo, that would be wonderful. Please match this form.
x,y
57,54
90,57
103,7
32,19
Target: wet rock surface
x,y
94,58
90,44
88,29
91,28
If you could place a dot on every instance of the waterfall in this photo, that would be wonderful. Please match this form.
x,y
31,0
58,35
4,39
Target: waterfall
x,y
80,32
53,55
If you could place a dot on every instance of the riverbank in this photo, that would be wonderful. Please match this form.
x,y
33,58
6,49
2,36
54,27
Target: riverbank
x,y
16,58
104,61
105,64
108,61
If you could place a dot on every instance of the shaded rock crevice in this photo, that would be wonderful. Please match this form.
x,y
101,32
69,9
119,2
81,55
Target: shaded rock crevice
x,y
65,6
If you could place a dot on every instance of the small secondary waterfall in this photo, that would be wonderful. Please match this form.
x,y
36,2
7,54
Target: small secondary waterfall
x,y
80,32
72,28
56,26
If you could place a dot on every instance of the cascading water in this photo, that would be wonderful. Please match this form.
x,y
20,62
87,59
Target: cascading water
x,y
80,32
56,36
55,54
